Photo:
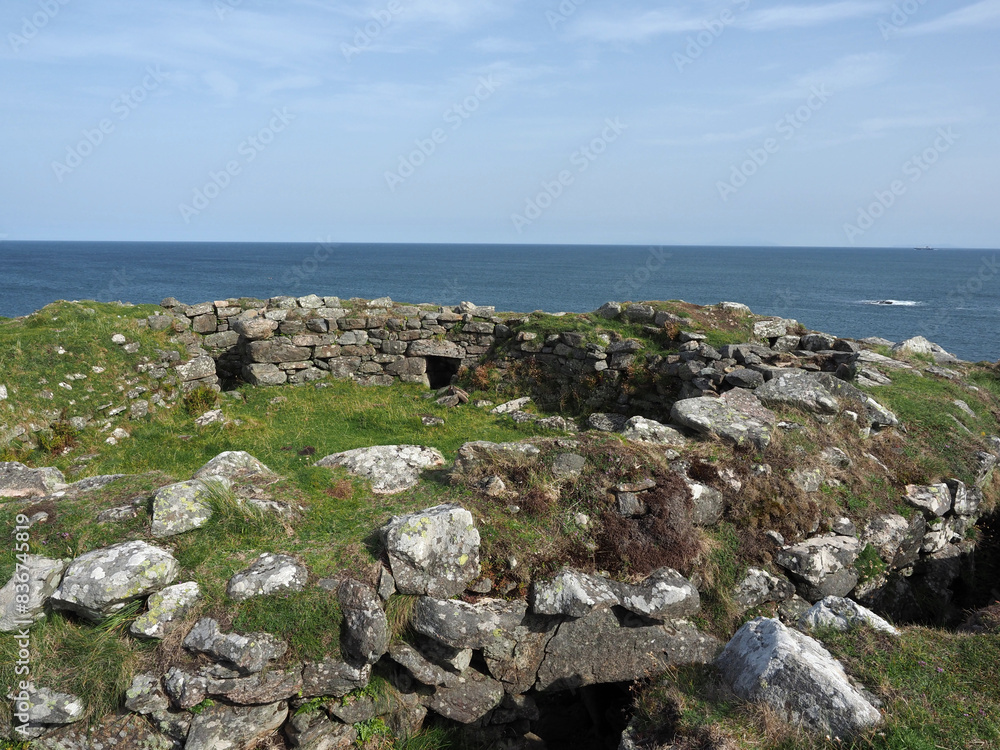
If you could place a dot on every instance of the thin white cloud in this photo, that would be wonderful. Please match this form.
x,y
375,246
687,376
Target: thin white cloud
x,y
643,26
799,16
977,15
849,72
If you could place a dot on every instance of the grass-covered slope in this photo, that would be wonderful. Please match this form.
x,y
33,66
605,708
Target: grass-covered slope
x,y
329,519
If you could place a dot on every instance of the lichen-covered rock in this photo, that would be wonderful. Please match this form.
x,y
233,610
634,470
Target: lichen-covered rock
x,y
605,422
247,653
843,614
336,678
313,730
268,574
366,630
390,468
821,566
99,583
183,506
664,595
707,504
572,593
434,551
456,623
640,429
510,406
716,416
885,533
223,727
163,608
232,464
46,708
934,498
800,390
254,329
607,646
42,577
17,480
469,700
146,695
795,676
758,586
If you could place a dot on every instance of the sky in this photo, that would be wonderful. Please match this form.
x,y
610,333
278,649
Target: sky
x,y
732,122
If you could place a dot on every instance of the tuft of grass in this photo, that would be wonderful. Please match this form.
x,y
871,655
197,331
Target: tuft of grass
x,y
309,620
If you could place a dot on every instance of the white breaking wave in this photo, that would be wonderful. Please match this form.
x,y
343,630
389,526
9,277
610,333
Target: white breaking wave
x,y
894,302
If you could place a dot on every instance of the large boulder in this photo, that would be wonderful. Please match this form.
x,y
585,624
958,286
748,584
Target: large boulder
x,y
184,506
434,551
17,480
800,390
42,577
232,464
268,574
102,582
391,468
611,646
794,675
740,420
366,630
821,566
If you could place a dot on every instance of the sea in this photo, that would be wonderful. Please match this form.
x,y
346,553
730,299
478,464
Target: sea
x,y
950,296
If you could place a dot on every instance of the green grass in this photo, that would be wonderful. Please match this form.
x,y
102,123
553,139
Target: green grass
x,y
926,406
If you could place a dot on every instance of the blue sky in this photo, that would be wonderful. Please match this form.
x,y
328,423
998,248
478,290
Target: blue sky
x,y
583,121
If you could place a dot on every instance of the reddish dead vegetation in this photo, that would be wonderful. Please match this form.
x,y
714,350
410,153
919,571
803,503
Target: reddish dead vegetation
x,y
663,537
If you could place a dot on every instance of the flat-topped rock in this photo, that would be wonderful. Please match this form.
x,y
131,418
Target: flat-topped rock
x,y
390,468
269,574
716,416
18,480
232,465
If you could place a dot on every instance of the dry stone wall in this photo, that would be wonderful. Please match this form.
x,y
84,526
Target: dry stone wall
x,y
299,339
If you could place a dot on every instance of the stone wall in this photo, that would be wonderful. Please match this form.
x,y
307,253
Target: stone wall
x,y
295,340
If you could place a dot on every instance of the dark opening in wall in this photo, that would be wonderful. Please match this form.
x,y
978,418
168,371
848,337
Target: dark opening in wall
x,y
440,370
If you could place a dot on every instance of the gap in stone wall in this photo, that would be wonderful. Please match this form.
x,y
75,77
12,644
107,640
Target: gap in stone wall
x,y
441,371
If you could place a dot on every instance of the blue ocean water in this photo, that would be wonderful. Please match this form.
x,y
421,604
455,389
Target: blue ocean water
x,y
950,296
